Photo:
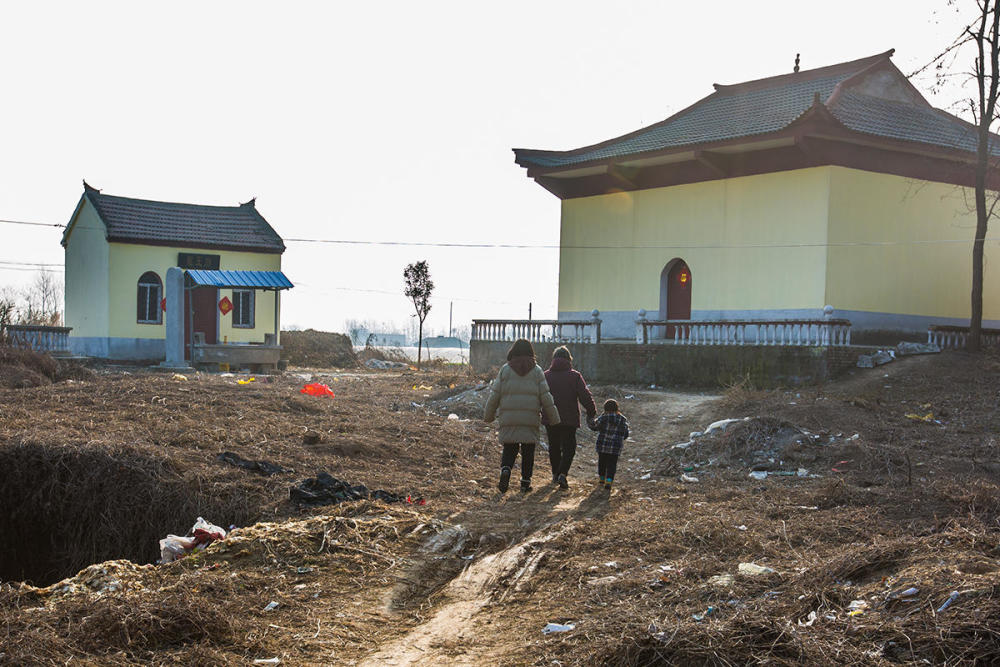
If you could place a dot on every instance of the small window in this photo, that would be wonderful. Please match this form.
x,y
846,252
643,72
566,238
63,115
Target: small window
x,y
149,294
243,308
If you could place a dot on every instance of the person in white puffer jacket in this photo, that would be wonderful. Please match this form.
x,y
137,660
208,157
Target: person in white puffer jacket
x,y
517,396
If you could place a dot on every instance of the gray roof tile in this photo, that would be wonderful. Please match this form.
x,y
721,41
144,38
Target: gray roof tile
x,y
188,225
768,105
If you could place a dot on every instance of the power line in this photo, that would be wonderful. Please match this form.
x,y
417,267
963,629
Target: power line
x,y
549,246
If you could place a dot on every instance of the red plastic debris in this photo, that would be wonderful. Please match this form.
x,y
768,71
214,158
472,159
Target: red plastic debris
x,y
317,389
415,501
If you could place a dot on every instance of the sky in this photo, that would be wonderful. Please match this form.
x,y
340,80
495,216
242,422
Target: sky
x,y
383,121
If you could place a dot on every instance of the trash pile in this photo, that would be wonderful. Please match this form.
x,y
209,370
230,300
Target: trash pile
x,y
467,403
262,467
383,365
324,489
203,533
768,446
901,350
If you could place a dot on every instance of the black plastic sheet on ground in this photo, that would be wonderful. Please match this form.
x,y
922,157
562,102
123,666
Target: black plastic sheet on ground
x,y
323,489
263,467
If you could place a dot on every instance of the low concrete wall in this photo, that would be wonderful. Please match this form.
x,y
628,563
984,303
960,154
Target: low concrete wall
x,y
691,366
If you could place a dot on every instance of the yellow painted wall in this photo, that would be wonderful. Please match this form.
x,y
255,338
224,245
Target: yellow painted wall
x,y
931,279
129,261
780,208
86,275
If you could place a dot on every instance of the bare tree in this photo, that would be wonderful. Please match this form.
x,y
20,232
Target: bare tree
x,y
43,300
8,312
419,287
981,36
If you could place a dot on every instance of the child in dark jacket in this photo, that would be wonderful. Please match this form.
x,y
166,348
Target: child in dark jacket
x,y
612,431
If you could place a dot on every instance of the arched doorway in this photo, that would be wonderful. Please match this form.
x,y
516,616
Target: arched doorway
x,y
675,293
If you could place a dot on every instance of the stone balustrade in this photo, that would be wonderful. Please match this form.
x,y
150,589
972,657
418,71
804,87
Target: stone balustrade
x,y
54,340
824,332
539,331
955,338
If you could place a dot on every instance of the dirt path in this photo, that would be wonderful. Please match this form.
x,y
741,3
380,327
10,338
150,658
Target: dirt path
x,y
452,634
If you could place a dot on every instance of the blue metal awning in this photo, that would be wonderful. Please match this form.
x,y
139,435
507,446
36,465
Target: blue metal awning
x,y
275,280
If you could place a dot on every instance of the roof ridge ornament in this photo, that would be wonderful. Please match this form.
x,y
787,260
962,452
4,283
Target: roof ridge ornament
x,y
87,187
796,70
252,203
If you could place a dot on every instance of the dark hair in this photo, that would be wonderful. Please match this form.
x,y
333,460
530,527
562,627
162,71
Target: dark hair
x,y
521,348
611,405
562,352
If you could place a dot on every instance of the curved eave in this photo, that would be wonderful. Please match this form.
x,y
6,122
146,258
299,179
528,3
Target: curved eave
x,y
814,139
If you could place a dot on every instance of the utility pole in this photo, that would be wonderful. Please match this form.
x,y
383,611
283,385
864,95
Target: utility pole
x,y
451,309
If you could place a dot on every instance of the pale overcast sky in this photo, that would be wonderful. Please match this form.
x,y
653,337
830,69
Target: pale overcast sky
x,y
385,121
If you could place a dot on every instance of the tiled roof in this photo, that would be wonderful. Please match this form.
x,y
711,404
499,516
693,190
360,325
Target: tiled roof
x,y
188,225
768,105
898,120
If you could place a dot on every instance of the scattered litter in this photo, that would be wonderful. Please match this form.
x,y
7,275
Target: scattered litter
x,y
247,381
629,397
557,627
690,479
702,617
722,580
421,387
263,467
271,606
810,619
317,389
856,612
802,472
927,418
302,569
603,581
453,417
839,466
694,434
907,593
203,533
683,445
759,475
646,476
741,527
327,490
754,570
267,661
857,605
854,437
720,425
611,563
179,377
948,602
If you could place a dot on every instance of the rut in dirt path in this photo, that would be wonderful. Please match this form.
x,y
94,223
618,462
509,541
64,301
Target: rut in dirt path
x,y
449,634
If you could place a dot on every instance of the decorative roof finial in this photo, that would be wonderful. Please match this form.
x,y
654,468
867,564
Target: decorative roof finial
x,y
796,62
252,203
88,187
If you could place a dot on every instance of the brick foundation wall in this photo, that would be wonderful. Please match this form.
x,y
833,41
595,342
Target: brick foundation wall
x,y
688,366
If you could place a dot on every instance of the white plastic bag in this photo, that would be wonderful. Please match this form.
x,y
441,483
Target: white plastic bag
x,y
173,547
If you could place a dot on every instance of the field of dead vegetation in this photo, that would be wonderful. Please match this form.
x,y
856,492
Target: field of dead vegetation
x,y
850,523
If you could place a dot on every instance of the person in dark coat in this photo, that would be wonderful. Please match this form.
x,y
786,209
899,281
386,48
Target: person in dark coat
x,y
570,391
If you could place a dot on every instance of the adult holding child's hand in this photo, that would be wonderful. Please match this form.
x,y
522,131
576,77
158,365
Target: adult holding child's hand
x,y
570,391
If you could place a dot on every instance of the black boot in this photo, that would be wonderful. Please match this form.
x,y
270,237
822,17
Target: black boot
x,y
504,479
525,485
563,484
